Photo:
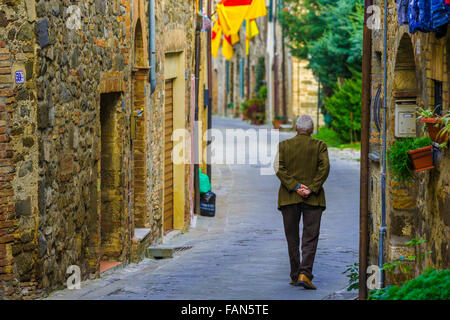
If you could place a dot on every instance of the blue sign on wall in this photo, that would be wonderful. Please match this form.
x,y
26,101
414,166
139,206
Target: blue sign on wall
x,y
20,77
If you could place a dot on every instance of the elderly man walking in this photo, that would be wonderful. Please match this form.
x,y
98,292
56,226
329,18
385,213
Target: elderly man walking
x,y
303,167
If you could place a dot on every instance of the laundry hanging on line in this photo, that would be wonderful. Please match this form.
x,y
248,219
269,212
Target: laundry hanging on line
x,y
424,15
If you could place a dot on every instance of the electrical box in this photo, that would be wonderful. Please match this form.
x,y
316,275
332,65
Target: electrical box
x,y
405,118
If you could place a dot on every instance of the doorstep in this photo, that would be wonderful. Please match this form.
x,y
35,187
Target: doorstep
x,y
166,249
286,128
170,235
109,265
141,233
139,243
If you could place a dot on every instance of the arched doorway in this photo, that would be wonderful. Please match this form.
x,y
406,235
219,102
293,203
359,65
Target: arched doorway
x,y
111,217
405,78
401,207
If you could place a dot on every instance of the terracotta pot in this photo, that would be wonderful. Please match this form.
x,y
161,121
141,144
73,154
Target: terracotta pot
x,y
422,158
433,130
277,124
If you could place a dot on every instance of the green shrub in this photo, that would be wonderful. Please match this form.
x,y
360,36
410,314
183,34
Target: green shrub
x,y
345,108
329,136
399,162
254,109
263,93
432,285
260,75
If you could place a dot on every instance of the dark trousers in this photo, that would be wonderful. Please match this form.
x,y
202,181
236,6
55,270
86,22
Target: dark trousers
x,y
310,237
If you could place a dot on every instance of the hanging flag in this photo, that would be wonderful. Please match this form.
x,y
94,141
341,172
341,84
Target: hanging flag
x,y
232,13
251,30
257,9
227,47
235,38
216,39
230,16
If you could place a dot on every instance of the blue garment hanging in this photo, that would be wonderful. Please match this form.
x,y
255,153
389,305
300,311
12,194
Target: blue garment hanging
x,y
402,12
413,16
428,15
440,13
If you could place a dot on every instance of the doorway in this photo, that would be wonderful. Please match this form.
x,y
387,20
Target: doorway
x,y
168,163
110,179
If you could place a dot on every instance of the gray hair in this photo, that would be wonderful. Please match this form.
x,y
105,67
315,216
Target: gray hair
x,y
305,122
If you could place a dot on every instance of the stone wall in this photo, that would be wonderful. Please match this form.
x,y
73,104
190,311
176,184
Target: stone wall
x,y
419,209
75,181
305,91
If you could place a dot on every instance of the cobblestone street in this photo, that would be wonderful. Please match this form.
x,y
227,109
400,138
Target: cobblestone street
x,y
242,252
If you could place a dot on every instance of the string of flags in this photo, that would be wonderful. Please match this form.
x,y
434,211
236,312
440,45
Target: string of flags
x,y
229,16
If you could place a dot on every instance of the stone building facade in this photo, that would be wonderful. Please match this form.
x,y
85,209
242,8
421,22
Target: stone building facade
x,y
85,141
416,65
279,71
236,79
305,91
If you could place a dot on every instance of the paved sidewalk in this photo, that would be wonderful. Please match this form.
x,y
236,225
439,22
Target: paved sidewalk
x,y
242,253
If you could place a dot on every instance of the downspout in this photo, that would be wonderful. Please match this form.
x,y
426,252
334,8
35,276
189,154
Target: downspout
x,y
196,129
210,90
382,231
319,102
365,136
248,76
152,45
283,66
275,64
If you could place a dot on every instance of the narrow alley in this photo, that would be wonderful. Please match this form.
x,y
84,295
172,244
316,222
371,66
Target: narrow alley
x,y
242,253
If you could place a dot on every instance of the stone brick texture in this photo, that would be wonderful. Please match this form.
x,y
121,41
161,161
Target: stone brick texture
x,y
419,209
66,199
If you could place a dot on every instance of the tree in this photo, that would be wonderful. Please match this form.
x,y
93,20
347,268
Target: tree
x,y
328,34
345,108
260,75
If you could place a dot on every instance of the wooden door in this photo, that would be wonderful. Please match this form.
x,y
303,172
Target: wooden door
x,y
168,164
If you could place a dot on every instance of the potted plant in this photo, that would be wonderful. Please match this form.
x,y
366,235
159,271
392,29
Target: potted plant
x,y
237,112
444,132
278,121
260,118
409,154
254,110
435,124
243,111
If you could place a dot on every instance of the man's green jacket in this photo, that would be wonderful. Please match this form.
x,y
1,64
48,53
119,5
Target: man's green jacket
x,y
302,160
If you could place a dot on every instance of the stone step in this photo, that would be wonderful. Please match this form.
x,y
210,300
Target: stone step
x,y
110,266
286,127
160,252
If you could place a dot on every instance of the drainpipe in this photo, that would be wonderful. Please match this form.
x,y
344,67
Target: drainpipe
x,y
152,45
275,64
196,129
283,65
210,89
382,232
248,76
364,177
319,102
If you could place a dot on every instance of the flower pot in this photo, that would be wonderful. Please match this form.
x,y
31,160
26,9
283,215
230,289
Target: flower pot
x,y
277,124
433,130
422,158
